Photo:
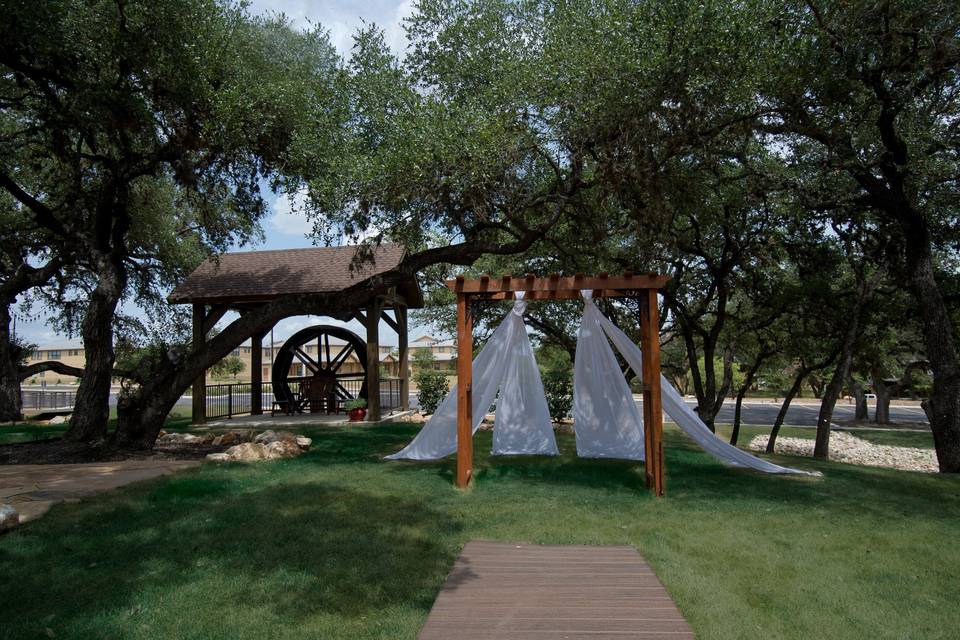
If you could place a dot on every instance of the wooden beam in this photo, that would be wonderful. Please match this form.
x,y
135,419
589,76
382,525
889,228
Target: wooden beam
x,y
390,321
558,295
652,401
464,392
556,283
213,316
404,364
199,399
373,361
256,374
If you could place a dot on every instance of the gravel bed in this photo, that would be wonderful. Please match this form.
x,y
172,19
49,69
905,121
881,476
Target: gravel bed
x,y
852,450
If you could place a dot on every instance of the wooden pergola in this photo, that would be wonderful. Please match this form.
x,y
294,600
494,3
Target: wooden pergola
x,y
642,287
244,281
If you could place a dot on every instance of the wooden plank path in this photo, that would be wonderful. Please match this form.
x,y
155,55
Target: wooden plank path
x,y
522,592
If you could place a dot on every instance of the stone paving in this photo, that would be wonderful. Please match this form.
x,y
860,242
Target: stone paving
x,y
33,488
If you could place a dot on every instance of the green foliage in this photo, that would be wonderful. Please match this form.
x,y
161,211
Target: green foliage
x,y
229,366
558,386
432,387
356,403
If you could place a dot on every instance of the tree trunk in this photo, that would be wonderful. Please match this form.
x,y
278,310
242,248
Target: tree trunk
x,y
782,414
943,407
10,408
881,414
821,448
859,399
91,411
747,383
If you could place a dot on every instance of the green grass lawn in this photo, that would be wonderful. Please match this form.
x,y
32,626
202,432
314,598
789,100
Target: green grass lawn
x,y
340,544
28,431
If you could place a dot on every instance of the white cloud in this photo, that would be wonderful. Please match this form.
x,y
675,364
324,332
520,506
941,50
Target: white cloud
x,y
289,215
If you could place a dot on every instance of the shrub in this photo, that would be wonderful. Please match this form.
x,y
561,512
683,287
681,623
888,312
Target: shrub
x,y
432,388
356,403
558,386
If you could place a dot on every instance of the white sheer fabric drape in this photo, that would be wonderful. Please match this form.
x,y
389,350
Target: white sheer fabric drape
x,y
606,420
688,421
522,424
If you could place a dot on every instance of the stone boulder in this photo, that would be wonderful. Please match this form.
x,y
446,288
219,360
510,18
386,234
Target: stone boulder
x,y
269,445
183,438
247,452
231,438
57,420
9,517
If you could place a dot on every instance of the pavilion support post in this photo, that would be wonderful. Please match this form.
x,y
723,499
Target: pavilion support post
x,y
373,361
652,401
199,402
404,364
256,374
464,391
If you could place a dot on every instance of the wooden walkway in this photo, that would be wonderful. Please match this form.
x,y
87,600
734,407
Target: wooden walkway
x,y
510,591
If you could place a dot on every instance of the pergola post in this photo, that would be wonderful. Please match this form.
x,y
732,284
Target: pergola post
x,y
373,361
404,364
256,374
652,402
199,401
464,391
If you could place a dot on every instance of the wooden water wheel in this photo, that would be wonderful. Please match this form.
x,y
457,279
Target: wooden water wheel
x,y
322,389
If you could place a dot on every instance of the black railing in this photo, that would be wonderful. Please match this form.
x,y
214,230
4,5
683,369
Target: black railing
x,y
228,400
44,400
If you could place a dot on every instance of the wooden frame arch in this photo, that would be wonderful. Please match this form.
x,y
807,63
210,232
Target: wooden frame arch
x,y
643,287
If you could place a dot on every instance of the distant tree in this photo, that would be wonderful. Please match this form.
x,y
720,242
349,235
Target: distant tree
x,y
229,366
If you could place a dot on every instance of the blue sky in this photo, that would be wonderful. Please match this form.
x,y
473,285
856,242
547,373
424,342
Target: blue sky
x,y
285,227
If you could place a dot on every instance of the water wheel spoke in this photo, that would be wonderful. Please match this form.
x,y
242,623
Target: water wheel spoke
x,y
342,392
326,340
341,358
307,360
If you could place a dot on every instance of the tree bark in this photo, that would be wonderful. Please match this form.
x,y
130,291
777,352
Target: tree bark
x,y
92,409
943,407
802,373
10,407
859,399
881,413
832,392
742,392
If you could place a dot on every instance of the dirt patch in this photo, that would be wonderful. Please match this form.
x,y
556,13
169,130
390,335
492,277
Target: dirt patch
x,y
58,451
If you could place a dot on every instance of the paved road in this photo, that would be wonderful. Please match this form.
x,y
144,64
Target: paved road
x,y
805,415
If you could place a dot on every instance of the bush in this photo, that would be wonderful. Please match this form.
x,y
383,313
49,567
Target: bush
x,y
432,388
558,386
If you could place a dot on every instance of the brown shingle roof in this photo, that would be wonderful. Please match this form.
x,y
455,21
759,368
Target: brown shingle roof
x,y
264,275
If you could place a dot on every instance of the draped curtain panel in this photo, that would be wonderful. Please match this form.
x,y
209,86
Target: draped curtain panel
x,y
523,425
606,420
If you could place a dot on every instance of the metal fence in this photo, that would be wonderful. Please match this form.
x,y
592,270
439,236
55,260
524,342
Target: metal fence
x,y
44,400
228,400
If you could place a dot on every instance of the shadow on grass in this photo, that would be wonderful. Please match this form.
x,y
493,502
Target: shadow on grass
x,y
298,548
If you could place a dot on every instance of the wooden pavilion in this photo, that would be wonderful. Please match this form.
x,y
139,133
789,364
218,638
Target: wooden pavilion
x,y
642,287
244,281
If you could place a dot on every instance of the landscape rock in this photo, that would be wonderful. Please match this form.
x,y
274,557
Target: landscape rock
x,y
848,448
270,435
247,452
9,517
57,420
283,449
218,457
304,442
182,438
